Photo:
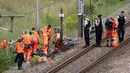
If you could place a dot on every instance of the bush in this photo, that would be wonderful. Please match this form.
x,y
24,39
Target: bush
x,y
70,24
6,60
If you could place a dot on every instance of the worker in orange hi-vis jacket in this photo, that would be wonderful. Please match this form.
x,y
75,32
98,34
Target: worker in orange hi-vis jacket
x,y
4,44
45,42
108,26
48,30
27,48
114,32
35,40
20,53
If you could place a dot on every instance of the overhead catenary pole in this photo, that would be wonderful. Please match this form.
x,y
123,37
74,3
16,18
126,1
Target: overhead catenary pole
x,y
91,13
61,15
12,19
80,6
37,15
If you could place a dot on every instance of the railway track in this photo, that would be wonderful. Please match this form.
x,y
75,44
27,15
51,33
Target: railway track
x,y
116,61
86,58
85,69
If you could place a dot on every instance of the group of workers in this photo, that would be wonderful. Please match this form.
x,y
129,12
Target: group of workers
x,y
114,30
28,43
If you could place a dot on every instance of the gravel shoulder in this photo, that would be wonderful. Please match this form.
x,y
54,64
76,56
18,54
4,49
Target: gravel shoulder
x,y
117,62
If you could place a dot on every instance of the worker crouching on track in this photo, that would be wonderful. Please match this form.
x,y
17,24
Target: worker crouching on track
x,y
4,44
113,32
27,46
20,53
57,39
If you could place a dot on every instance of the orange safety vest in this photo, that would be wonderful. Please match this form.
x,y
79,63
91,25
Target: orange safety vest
x,y
27,39
34,38
3,44
114,33
19,47
49,31
115,23
45,38
36,35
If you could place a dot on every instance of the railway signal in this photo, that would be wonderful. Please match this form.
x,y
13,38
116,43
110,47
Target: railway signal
x,y
61,15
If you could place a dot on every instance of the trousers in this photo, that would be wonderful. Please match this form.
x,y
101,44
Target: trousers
x,y
86,36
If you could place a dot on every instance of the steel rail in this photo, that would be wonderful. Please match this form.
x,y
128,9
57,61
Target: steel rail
x,y
84,70
76,56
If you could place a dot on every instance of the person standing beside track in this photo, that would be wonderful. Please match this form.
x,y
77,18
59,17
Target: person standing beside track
x,y
48,30
86,31
99,30
121,31
35,40
20,53
27,46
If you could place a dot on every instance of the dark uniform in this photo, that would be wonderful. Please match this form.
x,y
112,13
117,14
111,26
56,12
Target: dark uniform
x,y
99,30
86,32
121,30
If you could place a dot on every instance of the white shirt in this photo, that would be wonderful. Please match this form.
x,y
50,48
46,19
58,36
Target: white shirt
x,y
58,35
96,21
86,22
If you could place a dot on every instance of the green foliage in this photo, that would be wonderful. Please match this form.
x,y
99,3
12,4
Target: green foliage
x,y
6,60
88,10
35,60
70,24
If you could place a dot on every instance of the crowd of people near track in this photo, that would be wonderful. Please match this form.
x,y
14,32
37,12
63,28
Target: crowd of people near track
x,y
28,42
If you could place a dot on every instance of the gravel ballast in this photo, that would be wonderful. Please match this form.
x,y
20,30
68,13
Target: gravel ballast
x,y
116,62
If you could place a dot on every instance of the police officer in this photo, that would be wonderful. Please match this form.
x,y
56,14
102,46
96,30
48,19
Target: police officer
x,y
86,31
99,29
122,20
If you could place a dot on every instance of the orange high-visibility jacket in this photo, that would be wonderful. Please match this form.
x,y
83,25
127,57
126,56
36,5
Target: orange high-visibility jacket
x,y
45,38
36,36
27,39
3,44
115,23
19,47
49,31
